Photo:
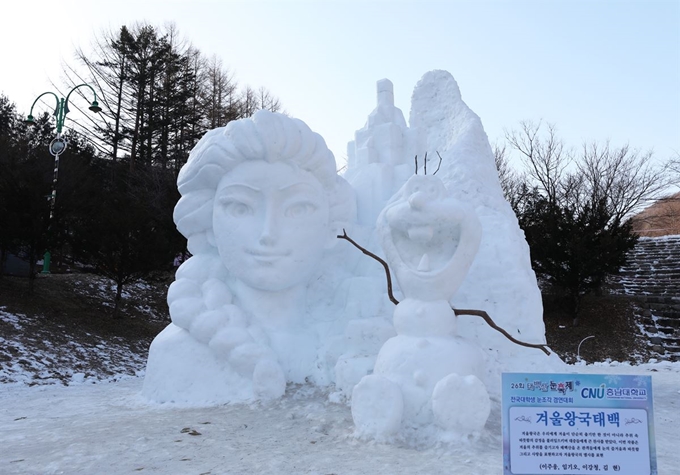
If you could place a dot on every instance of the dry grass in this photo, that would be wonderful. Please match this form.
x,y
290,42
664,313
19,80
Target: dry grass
x,y
65,326
610,319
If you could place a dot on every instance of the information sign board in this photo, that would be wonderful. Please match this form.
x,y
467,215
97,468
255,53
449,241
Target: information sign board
x,y
565,424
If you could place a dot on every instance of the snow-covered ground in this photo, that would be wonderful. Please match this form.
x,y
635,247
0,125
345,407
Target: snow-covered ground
x,y
31,354
108,428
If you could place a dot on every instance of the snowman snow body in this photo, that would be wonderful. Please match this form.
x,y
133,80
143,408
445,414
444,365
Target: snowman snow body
x,y
426,373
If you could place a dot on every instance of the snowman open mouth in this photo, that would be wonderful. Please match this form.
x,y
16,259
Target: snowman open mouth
x,y
426,249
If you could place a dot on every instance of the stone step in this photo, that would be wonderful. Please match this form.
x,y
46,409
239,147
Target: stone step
x,y
651,276
652,249
666,278
649,285
650,282
669,309
652,287
642,268
648,322
669,324
641,296
654,284
658,240
666,314
670,269
659,340
649,279
662,303
649,266
659,250
643,292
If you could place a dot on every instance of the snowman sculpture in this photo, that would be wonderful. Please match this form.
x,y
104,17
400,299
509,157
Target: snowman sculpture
x,y
427,375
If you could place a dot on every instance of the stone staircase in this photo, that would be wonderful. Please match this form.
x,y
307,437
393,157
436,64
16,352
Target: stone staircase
x,y
652,277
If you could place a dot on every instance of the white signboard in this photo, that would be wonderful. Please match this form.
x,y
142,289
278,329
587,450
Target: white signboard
x,y
577,424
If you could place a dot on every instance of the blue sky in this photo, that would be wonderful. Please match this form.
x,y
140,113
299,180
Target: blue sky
x,y
607,69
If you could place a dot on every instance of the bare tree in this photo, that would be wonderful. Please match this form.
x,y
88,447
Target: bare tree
x,y
268,101
544,157
625,178
513,183
219,91
106,69
674,167
249,102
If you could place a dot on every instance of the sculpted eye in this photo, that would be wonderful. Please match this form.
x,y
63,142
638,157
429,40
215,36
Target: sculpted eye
x,y
236,208
298,210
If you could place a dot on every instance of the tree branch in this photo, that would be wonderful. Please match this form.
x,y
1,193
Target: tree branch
x,y
457,312
370,254
440,164
492,324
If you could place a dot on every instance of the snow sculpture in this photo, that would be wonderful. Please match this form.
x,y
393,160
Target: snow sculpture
x,y
269,297
426,373
380,158
500,284
500,280
261,204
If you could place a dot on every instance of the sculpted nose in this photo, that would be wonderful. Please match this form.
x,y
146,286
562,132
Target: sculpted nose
x,y
417,200
269,230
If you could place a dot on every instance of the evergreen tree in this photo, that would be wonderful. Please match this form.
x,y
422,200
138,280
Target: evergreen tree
x,y
574,249
128,231
25,185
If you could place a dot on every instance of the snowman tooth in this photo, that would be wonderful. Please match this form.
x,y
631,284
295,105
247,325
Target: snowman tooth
x,y
421,234
424,264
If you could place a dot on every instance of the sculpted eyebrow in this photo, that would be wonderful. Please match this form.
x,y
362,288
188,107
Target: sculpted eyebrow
x,y
298,187
240,187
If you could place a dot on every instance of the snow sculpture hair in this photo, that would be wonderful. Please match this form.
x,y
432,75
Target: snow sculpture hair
x,y
266,136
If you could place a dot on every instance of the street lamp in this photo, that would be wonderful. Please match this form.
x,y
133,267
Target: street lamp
x,y
57,147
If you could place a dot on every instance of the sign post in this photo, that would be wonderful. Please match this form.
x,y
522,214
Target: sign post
x,y
565,424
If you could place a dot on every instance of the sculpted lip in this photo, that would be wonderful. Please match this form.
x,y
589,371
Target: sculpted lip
x,y
267,254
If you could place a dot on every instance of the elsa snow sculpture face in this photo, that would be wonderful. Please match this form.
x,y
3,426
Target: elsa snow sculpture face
x,y
271,224
263,197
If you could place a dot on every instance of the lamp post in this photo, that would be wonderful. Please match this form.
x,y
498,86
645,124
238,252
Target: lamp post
x,y
57,147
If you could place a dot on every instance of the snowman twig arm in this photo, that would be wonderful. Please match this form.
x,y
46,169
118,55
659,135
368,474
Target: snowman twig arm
x,y
477,313
370,254
492,324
